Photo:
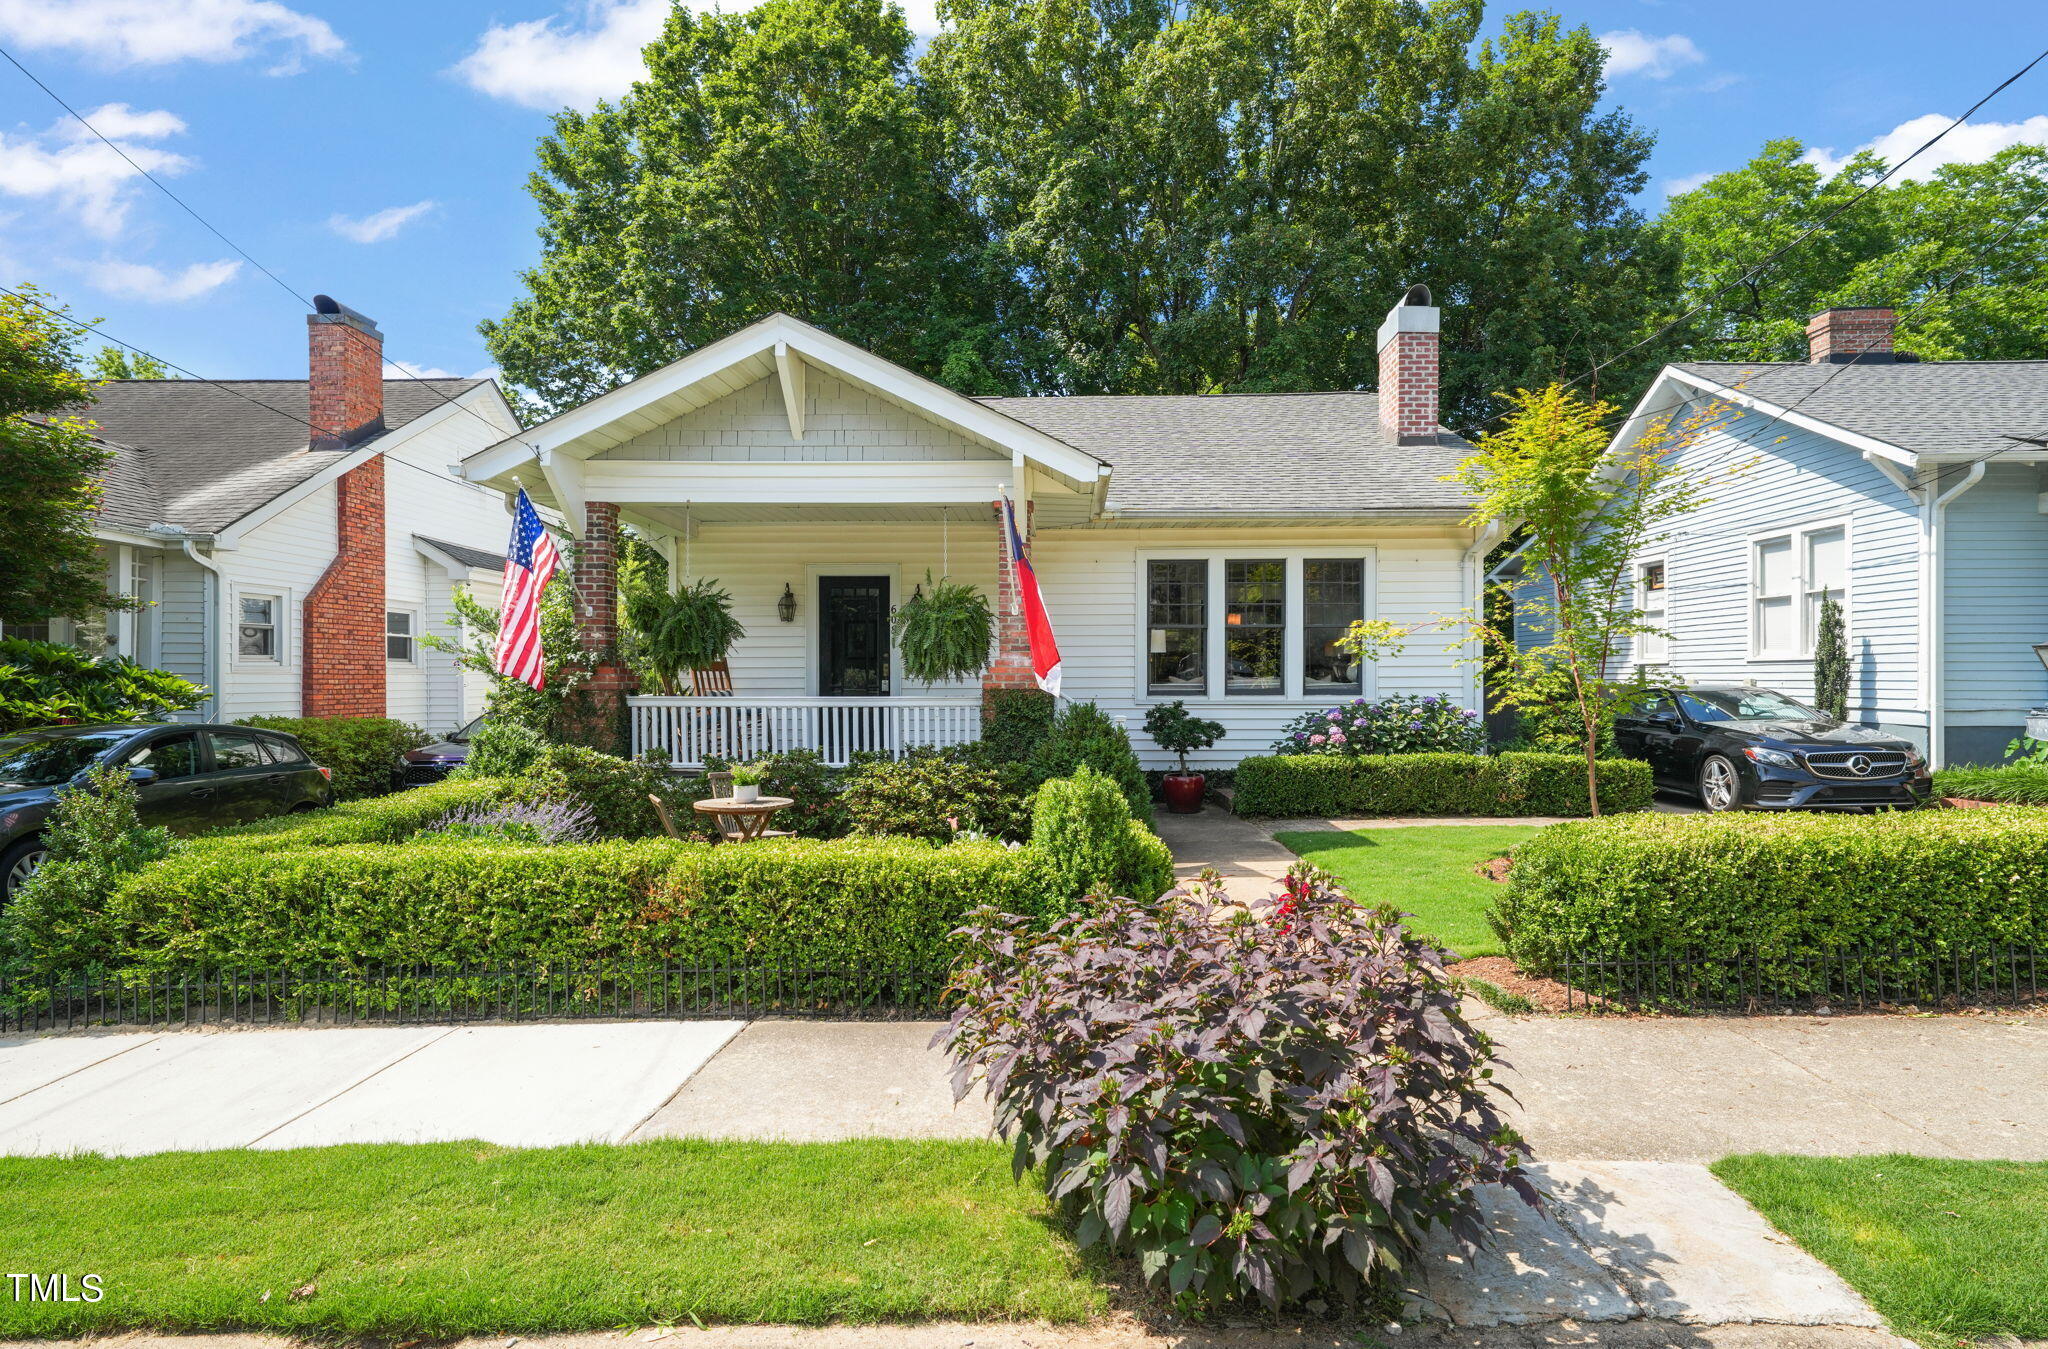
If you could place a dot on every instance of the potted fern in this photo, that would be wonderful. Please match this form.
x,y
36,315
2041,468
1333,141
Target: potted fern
x,y
1178,731
943,631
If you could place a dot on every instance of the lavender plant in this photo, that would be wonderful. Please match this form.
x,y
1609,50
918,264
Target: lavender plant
x,y
1267,1101
1400,723
559,821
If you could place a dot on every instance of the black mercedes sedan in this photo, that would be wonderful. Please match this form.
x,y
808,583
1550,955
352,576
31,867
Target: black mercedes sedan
x,y
1739,747
187,778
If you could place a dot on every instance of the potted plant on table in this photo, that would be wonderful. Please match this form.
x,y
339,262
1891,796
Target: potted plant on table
x,y
1179,731
746,783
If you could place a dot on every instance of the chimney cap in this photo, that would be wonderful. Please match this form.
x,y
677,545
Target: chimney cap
x,y
1417,294
326,307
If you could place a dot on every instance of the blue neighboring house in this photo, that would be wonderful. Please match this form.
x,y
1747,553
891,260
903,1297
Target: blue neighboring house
x,y
1911,492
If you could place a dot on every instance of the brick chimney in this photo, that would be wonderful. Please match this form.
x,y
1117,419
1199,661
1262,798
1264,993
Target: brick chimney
x,y
1408,368
342,616
346,375
1838,336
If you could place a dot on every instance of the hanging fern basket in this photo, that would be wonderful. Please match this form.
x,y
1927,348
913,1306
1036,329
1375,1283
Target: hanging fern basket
x,y
692,629
943,631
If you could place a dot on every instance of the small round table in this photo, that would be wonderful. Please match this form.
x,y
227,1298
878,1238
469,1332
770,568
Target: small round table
x,y
742,821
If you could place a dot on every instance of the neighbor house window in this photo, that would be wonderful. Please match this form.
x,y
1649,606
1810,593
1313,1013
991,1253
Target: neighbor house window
x,y
1254,626
1652,606
398,638
256,634
1332,599
1790,574
1177,621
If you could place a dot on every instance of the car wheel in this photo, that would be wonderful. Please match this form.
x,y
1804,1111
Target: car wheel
x,y
19,863
1720,784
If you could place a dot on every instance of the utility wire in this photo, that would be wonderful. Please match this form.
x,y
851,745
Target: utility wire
x,y
1758,266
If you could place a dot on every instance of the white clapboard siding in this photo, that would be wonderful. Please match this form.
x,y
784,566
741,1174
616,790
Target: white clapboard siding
x,y
1995,607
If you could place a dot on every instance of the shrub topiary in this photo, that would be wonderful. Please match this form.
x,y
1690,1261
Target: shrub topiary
x,y
1083,733
933,794
96,840
1320,786
361,752
1083,826
1268,1102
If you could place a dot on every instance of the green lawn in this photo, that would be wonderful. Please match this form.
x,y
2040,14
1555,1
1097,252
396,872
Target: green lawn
x,y
466,1238
1947,1251
1429,871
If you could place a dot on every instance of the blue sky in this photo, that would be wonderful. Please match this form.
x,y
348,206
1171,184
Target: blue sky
x,y
378,150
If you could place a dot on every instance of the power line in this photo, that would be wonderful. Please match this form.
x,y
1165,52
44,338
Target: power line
x,y
160,186
1779,252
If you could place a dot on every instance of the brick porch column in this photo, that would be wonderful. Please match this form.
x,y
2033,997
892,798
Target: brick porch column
x,y
1011,667
596,713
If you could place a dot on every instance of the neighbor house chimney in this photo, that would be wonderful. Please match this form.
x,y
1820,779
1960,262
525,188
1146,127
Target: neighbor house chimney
x,y
345,375
342,616
1838,336
1408,368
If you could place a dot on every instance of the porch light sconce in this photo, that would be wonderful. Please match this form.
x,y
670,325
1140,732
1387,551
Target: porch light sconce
x,y
785,608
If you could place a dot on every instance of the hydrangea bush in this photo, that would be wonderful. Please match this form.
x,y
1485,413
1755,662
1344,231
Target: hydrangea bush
x,y
1269,1100
1400,723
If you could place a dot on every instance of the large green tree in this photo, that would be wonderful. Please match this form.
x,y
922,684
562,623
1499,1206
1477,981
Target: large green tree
x,y
778,159
51,467
1230,194
1963,254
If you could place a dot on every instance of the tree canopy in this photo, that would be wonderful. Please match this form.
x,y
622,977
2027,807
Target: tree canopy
x,y
1128,196
49,563
114,363
1962,254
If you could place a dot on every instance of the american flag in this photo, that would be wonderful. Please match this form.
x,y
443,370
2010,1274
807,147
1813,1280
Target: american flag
x,y
530,559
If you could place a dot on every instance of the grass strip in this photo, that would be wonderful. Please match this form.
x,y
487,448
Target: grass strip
x,y
1947,1251
1427,871
452,1239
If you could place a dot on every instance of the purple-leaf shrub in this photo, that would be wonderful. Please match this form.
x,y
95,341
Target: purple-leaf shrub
x,y
1400,723
1270,1100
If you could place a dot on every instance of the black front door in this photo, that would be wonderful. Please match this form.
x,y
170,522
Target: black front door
x,y
853,636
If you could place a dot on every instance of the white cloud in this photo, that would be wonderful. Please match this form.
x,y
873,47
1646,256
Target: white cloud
x,y
574,58
163,32
1674,187
140,281
409,370
69,167
378,225
1970,143
1633,52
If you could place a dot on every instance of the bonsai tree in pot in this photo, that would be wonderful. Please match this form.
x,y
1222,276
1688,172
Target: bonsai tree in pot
x,y
1179,731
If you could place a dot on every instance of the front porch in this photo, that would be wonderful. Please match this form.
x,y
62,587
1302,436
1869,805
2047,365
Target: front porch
x,y
692,731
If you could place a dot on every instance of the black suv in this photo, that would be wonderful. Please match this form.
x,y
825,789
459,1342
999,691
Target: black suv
x,y
1742,747
187,777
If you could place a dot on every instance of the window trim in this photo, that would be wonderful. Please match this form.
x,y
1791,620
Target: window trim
x,y
1292,663
1639,656
1797,535
412,636
280,641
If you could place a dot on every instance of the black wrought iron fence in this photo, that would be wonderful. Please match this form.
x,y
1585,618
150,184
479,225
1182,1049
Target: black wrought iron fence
x,y
1862,979
398,994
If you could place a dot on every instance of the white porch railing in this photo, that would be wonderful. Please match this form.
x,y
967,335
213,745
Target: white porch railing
x,y
735,729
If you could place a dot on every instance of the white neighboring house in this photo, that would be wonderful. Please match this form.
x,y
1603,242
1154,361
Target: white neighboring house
x,y
1204,548
295,574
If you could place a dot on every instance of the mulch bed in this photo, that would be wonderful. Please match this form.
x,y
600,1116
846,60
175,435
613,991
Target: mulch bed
x,y
1496,869
1547,995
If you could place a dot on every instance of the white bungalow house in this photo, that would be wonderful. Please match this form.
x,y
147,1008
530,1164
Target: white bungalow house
x,y
1204,548
292,540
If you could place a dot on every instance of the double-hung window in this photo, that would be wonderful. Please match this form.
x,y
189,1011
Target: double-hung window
x,y
1177,619
1654,610
1790,574
398,636
256,633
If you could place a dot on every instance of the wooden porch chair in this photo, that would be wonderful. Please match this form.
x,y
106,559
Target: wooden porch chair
x,y
713,681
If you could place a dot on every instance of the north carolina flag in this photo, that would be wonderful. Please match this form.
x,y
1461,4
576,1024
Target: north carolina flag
x,y
1045,652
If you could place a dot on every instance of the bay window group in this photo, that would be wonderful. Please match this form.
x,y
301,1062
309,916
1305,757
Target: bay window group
x,y
1254,627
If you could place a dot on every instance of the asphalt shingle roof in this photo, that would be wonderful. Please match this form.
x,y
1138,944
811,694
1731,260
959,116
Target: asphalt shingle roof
x,y
201,456
1249,454
1924,407
469,557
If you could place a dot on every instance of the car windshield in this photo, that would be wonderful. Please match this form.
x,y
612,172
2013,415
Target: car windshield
x,y
1744,705
467,733
51,760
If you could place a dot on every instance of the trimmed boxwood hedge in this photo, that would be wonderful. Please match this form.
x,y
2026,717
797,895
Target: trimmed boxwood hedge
x,y
344,887
1320,785
1776,889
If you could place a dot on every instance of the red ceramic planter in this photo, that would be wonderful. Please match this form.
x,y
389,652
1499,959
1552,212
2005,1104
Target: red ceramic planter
x,y
1183,792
